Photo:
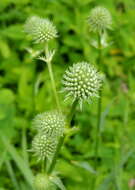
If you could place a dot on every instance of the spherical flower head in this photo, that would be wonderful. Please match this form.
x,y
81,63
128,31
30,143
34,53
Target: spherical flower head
x,y
40,29
82,81
52,123
99,19
43,146
42,182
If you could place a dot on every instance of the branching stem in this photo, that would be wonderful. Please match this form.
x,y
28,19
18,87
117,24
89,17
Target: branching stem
x,y
61,140
52,79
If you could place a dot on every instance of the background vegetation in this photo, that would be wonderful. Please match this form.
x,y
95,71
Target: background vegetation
x,y
20,74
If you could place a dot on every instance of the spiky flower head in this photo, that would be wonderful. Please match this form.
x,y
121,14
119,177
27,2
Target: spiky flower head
x,y
52,123
42,182
82,81
43,146
99,19
40,29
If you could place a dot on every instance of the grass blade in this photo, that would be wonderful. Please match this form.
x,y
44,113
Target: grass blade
x,y
19,161
109,179
2,158
11,174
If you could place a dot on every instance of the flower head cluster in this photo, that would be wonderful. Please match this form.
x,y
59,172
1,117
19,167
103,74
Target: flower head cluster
x,y
43,146
41,30
99,19
82,81
42,182
50,126
52,123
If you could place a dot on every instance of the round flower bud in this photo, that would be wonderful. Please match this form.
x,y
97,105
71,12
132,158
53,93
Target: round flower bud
x,y
43,146
99,19
52,123
41,30
82,81
42,182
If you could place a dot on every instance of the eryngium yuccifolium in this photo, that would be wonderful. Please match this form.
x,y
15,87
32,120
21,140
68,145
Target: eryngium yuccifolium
x,y
42,182
52,123
41,30
99,19
82,81
43,146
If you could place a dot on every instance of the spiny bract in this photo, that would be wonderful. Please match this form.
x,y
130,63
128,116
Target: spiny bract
x,y
99,19
52,123
43,146
82,81
41,30
42,182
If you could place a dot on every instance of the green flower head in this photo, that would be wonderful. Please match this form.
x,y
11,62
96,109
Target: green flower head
x,y
43,146
52,123
99,19
82,81
40,29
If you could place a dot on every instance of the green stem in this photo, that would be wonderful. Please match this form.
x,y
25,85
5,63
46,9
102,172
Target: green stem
x,y
117,161
52,79
98,131
24,145
72,112
44,165
33,90
97,139
61,140
99,108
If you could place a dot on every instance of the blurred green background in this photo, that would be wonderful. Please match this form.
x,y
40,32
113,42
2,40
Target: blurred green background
x,y
20,74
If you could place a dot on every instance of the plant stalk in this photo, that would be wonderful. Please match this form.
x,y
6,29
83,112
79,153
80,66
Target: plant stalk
x,y
59,145
98,131
33,90
52,79
99,109
72,112
61,140
44,165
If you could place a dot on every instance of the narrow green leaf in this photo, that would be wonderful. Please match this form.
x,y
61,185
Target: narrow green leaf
x,y
109,179
72,131
107,182
57,181
12,174
84,165
2,158
19,161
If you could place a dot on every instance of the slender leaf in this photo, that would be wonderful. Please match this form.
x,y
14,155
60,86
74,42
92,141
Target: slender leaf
x,y
84,165
57,181
109,179
19,161
12,175
2,158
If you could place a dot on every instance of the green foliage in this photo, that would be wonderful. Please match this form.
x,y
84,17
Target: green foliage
x,y
25,91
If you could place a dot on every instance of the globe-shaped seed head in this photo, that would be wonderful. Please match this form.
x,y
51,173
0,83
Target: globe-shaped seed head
x,y
42,182
40,29
43,146
52,123
82,81
99,19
